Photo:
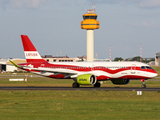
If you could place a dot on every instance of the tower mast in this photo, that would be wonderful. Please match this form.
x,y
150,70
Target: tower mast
x,y
90,23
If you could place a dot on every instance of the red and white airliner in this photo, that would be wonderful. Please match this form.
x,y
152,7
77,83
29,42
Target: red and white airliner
x,y
84,73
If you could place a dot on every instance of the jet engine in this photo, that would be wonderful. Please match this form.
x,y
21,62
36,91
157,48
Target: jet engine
x,y
120,81
86,79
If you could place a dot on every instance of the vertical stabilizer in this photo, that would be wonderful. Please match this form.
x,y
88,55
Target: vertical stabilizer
x,y
30,51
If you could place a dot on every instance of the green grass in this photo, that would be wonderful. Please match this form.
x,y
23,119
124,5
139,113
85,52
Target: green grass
x,y
41,81
44,81
71,105
79,105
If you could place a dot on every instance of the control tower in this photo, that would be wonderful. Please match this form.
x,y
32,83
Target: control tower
x,y
90,23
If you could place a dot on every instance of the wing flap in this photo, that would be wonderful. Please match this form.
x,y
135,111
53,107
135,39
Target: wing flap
x,y
56,71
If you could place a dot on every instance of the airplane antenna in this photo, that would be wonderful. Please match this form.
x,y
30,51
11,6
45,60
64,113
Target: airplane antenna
x,y
140,52
110,53
94,8
96,55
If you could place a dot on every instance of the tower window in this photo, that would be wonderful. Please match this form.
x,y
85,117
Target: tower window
x,y
93,17
85,17
89,17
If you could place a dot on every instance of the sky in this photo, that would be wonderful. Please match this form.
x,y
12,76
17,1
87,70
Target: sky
x,y
54,27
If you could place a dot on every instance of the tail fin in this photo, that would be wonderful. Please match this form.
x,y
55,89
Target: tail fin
x,y
30,51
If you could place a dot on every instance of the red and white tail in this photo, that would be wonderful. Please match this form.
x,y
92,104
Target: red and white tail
x,y
30,51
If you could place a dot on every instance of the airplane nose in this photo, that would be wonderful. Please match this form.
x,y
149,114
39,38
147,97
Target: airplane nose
x,y
155,74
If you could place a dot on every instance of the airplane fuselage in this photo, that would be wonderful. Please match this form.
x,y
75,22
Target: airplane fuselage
x,y
84,73
103,70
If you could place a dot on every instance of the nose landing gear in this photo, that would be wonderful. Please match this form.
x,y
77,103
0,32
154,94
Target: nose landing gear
x,y
143,83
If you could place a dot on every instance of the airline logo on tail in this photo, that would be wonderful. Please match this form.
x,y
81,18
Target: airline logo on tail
x,y
32,54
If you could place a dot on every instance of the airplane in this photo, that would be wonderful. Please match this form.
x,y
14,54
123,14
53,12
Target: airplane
x,y
84,73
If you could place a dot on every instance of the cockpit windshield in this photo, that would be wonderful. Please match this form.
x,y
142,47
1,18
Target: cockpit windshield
x,y
146,67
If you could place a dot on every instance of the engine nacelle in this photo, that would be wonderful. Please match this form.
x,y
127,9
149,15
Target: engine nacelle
x,y
120,81
86,79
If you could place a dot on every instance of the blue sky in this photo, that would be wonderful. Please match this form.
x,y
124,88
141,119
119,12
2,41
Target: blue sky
x,y
54,27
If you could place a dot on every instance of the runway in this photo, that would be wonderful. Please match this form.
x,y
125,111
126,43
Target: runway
x,y
81,88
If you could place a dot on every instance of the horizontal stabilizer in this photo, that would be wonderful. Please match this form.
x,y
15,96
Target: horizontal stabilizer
x,y
14,64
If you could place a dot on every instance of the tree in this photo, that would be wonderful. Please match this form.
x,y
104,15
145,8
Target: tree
x,y
137,58
118,59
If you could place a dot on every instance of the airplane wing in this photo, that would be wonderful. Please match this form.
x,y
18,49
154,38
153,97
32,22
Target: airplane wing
x,y
66,72
56,71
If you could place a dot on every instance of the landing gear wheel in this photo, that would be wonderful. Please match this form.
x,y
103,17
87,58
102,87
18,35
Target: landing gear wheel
x,y
97,84
143,83
75,85
143,86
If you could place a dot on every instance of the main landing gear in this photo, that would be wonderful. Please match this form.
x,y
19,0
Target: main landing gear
x,y
143,83
97,84
76,85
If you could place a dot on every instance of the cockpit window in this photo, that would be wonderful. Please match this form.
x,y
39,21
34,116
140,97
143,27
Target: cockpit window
x,y
146,67
143,67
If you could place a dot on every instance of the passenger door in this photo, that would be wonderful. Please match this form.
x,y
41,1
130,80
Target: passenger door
x,y
133,69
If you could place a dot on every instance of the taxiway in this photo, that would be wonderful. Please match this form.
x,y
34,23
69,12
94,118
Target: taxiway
x,y
81,88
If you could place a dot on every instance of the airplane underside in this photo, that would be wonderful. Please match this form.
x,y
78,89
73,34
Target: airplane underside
x,y
123,80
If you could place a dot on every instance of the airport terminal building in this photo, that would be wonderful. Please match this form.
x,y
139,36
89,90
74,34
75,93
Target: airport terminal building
x,y
157,59
50,58
6,66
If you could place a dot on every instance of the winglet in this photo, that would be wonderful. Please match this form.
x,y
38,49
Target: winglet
x,y
14,64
